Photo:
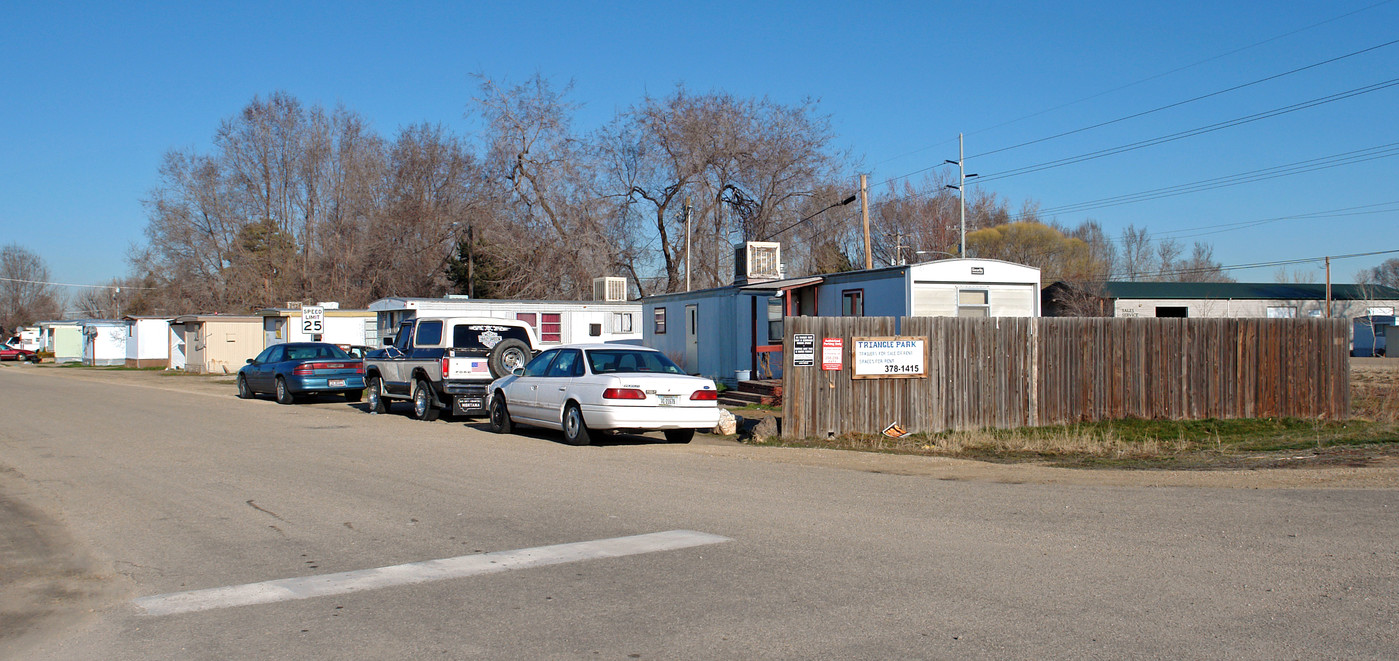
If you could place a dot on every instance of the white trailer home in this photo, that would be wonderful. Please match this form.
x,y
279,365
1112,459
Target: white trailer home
x,y
554,322
104,342
343,327
148,341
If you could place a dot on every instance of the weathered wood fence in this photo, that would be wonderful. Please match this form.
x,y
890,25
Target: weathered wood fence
x,y
1015,372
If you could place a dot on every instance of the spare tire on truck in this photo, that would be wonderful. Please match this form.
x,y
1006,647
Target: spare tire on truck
x,y
508,355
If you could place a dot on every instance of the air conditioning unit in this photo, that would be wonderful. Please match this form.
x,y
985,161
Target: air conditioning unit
x,y
293,305
609,288
757,261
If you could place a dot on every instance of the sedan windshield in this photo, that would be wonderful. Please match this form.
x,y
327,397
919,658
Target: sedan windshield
x,y
612,361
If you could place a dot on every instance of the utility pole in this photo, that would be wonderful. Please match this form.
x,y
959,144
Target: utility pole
x,y
687,244
470,261
1328,286
961,192
865,213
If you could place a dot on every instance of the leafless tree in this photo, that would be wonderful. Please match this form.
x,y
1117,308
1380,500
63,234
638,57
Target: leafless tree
x,y
26,296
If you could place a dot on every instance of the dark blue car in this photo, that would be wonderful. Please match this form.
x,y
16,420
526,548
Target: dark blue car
x,y
302,368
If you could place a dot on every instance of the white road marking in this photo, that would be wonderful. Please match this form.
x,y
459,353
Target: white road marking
x,y
307,587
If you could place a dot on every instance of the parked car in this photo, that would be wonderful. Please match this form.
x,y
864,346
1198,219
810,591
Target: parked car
x,y
580,389
10,352
356,350
302,368
445,362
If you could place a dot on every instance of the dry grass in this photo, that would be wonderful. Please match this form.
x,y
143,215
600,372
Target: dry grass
x,y
1373,432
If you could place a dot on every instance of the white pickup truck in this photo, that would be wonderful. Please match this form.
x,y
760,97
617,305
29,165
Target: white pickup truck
x,y
445,363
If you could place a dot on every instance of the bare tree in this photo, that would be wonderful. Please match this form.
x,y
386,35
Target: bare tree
x,y
26,296
1386,274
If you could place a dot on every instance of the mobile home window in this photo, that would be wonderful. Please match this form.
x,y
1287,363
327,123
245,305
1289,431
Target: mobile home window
x,y
660,321
550,327
1282,312
853,303
973,303
528,317
621,322
774,320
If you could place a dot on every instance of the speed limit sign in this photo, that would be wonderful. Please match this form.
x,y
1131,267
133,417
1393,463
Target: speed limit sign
x,y
313,320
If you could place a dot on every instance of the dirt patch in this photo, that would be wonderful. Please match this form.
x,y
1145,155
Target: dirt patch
x,y
47,581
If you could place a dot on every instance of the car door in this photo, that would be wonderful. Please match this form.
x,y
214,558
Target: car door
x,y
554,386
396,355
522,392
264,367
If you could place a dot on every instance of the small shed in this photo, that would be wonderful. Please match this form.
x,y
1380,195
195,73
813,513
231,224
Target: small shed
x,y
148,341
104,342
217,343
64,339
344,327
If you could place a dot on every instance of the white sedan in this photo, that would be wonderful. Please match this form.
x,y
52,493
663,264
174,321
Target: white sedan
x,y
604,387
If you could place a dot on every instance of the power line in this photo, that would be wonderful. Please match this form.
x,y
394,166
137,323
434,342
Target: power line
x,y
1190,133
1251,176
1141,81
70,284
1187,101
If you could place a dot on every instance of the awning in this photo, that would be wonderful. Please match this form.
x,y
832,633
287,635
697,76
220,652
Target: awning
x,y
783,285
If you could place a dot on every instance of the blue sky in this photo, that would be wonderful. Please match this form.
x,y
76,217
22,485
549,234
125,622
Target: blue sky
x,y
91,96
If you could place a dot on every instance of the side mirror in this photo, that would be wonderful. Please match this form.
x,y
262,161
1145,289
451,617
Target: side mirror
x,y
518,371
249,361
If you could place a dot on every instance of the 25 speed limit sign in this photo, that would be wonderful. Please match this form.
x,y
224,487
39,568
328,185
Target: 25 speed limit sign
x,y
313,320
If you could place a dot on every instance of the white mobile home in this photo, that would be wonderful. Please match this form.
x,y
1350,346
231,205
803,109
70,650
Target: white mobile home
x,y
554,322
148,341
343,327
104,342
64,339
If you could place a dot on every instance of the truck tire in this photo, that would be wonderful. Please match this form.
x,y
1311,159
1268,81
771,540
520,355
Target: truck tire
x,y
377,403
422,402
508,355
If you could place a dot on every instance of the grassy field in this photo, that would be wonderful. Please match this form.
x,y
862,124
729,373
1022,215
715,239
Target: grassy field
x,y
1371,435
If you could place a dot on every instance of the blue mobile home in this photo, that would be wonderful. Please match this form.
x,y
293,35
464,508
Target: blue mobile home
x,y
735,332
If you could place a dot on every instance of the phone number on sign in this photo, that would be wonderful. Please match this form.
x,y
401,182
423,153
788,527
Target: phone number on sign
x,y
903,369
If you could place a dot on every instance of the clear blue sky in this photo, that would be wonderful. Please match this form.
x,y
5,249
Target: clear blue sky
x,y
92,94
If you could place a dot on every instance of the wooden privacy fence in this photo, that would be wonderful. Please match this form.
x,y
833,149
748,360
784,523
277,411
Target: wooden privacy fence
x,y
1015,372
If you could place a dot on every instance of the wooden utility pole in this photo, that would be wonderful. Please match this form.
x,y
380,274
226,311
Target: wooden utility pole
x,y
687,244
865,214
1328,286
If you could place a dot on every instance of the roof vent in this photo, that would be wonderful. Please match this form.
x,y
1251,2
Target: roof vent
x,y
609,288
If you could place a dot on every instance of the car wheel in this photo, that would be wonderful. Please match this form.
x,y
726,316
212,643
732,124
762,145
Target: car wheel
x,y
679,435
508,355
377,403
500,416
353,396
284,396
244,392
422,402
575,429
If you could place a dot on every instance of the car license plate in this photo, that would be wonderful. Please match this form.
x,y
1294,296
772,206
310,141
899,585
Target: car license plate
x,y
666,400
337,383
470,403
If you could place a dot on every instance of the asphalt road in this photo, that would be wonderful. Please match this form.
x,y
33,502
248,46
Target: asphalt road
x,y
117,491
